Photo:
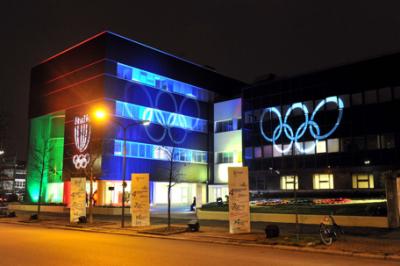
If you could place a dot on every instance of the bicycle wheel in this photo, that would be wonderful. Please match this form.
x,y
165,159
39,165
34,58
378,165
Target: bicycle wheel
x,y
325,233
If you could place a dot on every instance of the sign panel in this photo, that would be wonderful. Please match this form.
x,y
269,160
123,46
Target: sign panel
x,y
78,198
140,200
82,132
239,208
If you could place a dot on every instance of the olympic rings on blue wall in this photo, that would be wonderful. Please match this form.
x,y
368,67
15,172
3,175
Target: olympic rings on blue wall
x,y
309,123
167,120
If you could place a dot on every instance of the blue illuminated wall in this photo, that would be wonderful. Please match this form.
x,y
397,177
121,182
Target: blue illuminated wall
x,y
178,115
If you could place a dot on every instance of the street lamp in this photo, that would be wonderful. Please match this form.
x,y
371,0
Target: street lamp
x,y
101,115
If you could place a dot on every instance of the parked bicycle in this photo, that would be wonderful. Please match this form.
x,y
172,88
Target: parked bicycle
x,y
329,230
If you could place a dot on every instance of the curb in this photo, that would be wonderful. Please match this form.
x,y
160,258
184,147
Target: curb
x,y
392,257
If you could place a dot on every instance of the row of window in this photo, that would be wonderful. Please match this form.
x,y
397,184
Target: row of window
x,y
163,83
163,118
381,95
228,125
156,152
370,142
326,181
19,184
229,157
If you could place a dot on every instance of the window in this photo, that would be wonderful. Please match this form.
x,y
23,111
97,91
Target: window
x,y
346,100
363,181
149,151
345,144
267,151
138,112
323,181
372,142
289,182
358,143
309,147
396,92
310,106
225,157
385,94
277,150
248,117
257,152
356,99
224,126
331,105
288,150
387,141
321,146
238,124
248,153
370,97
162,83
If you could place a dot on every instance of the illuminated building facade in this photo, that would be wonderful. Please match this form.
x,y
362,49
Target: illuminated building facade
x,y
329,133
136,83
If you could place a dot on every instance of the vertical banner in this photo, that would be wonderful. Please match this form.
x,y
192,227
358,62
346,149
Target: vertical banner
x,y
239,208
140,200
78,198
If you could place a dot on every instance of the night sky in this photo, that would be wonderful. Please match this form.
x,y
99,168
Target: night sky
x,y
241,39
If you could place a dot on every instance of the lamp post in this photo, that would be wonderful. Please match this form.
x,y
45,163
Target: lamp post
x,y
101,115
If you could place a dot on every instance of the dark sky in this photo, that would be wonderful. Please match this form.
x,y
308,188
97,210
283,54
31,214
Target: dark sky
x,y
242,39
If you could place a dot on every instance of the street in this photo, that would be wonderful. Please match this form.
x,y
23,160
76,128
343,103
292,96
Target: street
x,y
28,245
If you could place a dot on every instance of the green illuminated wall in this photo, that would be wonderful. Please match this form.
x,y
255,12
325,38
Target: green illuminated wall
x,y
46,144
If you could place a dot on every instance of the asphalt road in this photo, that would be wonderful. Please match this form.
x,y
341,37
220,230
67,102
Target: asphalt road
x,y
27,245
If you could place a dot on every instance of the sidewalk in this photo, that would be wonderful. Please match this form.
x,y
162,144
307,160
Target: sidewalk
x,y
362,242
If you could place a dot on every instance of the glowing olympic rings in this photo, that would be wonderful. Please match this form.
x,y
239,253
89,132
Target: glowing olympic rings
x,y
308,123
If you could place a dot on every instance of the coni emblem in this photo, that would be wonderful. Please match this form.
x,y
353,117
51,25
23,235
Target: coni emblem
x,y
82,131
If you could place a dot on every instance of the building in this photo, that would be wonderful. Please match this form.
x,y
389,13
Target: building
x,y
134,82
331,133
12,179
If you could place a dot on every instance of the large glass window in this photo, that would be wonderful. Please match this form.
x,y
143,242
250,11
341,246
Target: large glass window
x,y
156,152
289,182
323,181
363,181
163,118
163,83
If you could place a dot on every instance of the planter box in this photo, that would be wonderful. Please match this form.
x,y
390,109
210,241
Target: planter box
x,y
354,221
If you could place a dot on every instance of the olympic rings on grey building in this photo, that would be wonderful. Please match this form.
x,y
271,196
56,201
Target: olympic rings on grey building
x,y
308,123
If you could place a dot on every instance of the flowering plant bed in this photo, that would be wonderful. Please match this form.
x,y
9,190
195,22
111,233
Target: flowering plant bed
x,y
311,206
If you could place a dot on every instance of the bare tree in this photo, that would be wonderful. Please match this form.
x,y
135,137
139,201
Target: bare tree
x,y
174,174
95,154
40,151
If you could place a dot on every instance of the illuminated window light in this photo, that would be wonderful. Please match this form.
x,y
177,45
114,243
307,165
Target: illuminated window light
x,y
163,83
157,152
